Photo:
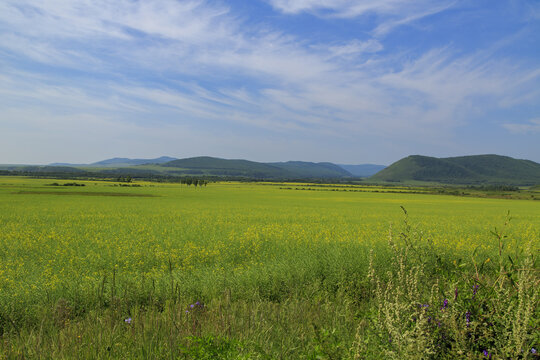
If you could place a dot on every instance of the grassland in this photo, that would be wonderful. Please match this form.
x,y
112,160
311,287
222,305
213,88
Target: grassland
x,y
258,271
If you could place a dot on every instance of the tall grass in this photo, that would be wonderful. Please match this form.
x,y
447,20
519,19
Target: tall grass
x,y
402,301
429,309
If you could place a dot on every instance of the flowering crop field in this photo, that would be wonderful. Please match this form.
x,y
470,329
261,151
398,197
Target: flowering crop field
x,y
248,270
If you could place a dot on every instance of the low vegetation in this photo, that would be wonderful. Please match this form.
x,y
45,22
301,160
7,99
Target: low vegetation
x,y
252,271
477,169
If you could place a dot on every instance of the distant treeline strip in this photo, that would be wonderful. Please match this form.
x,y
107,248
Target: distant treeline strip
x,y
83,193
123,176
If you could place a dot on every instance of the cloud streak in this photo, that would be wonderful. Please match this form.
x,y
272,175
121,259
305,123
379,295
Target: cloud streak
x,y
530,127
194,65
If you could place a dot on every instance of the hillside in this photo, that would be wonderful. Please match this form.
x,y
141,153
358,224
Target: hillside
x,y
215,166
303,169
223,167
476,169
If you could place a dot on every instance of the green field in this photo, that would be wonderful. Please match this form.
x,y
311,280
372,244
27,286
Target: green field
x,y
105,271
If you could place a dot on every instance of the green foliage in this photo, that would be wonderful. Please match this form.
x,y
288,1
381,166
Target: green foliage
x,y
501,170
210,348
423,315
256,170
282,274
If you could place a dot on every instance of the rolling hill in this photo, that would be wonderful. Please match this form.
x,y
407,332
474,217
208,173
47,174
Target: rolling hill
x,y
303,169
476,169
282,170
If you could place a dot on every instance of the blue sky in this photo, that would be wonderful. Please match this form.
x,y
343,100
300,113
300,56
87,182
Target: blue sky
x,y
365,81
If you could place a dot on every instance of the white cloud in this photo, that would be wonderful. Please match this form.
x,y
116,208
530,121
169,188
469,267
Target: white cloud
x,y
340,8
353,48
392,13
190,64
530,127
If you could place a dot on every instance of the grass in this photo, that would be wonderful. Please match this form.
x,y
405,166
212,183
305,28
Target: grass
x,y
276,273
81,193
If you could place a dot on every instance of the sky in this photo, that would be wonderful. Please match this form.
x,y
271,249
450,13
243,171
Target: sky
x,y
345,81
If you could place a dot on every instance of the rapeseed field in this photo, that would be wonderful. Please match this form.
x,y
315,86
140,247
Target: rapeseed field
x,y
249,270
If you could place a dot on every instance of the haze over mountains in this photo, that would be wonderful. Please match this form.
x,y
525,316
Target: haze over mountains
x,y
119,162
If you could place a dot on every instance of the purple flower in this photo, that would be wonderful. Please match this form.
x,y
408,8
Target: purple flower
x,y
192,306
128,320
198,303
533,351
487,354
475,289
445,304
468,317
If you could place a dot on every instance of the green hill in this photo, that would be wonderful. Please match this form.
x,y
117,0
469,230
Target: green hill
x,y
285,170
303,169
477,169
214,166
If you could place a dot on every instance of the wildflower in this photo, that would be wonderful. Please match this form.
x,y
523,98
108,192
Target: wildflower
x,y
128,320
198,303
487,354
468,317
445,304
475,289
192,306
533,351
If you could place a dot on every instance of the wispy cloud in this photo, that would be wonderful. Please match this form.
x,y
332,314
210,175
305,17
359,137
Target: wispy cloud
x,y
530,127
392,13
348,8
189,64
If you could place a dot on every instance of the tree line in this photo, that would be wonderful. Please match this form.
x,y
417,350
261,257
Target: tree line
x,y
192,181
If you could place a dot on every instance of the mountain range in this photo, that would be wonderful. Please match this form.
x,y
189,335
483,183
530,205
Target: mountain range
x,y
475,169
212,166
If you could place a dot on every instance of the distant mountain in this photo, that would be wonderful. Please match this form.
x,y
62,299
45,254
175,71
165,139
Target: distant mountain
x,y
65,164
119,162
281,170
364,170
474,169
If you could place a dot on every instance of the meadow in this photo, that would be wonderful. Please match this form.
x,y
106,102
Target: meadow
x,y
259,271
